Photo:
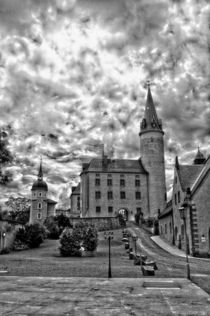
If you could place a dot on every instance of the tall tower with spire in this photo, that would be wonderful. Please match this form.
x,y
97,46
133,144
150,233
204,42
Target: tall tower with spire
x,y
152,156
39,202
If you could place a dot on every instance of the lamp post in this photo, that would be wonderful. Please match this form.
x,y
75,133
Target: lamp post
x,y
183,214
109,236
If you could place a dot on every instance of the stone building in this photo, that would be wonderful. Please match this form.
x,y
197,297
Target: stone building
x,y
111,186
191,182
41,206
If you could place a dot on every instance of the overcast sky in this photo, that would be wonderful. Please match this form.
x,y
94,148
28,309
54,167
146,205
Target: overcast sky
x,y
73,73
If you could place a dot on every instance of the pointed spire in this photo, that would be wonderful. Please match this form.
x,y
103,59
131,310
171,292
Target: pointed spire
x,y
150,120
40,174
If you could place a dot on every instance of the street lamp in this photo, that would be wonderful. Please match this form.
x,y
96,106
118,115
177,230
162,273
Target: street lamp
x,y
183,214
109,235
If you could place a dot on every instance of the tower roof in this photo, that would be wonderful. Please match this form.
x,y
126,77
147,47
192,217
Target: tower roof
x,y
199,158
40,183
150,121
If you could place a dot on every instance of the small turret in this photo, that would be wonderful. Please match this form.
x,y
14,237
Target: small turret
x,y
199,158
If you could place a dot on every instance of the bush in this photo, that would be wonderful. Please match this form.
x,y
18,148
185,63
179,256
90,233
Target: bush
x,y
53,231
90,239
5,251
70,243
35,235
62,221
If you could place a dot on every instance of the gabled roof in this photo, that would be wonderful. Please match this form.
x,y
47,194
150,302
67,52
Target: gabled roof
x,y
115,165
188,174
167,211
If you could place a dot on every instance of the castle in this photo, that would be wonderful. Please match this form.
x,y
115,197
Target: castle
x,y
112,186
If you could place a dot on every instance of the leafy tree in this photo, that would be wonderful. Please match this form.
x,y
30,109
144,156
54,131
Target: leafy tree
x,y
18,209
90,239
52,228
62,221
35,234
5,155
70,244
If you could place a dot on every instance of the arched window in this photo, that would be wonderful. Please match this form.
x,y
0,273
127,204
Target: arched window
x,y
39,205
39,215
40,193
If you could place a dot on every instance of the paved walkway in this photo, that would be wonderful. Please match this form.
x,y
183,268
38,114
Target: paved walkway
x,y
172,249
93,296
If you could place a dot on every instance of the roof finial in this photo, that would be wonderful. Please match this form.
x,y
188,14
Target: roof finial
x,y
40,174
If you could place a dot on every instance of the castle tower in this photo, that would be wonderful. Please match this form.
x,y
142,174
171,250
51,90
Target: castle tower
x,y
38,211
199,158
152,156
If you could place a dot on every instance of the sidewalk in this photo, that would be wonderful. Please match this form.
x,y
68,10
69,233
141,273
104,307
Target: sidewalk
x,y
99,296
173,249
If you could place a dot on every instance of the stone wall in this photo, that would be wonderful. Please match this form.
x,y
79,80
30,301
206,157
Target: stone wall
x,y
101,223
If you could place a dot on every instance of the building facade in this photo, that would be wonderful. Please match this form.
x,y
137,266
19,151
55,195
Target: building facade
x,y
191,184
75,201
112,186
41,206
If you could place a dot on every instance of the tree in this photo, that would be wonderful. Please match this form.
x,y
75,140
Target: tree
x,y
35,235
5,155
18,209
52,228
90,239
70,244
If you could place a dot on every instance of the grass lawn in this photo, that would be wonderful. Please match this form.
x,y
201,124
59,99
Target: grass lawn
x,y
46,261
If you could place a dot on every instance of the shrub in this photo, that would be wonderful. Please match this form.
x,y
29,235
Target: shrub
x,y
5,251
70,243
35,235
53,230
62,221
90,239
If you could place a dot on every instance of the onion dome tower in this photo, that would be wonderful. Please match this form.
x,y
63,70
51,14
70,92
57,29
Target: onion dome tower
x,y
38,211
152,156
199,158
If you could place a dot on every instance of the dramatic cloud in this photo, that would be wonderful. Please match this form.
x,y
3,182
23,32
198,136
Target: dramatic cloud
x,y
73,73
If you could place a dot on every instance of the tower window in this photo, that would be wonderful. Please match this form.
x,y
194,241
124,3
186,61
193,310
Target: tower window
x,y
122,194
39,215
110,209
175,199
109,175
97,194
178,196
39,205
34,194
109,181
137,182
122,182
78,203
137,175
122,176
110,195
97,181
40,193
138,195
98,209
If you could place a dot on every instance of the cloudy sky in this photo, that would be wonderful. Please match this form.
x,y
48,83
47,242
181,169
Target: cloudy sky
x,y
73,73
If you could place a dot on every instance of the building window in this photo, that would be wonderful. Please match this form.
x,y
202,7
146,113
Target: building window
x,y
122,176
97,174
39,215
161,229
175,199
109,175
34,194
40,193
109,182
110,195
97,181
178,196
122,194
39,205
138,195
165,228
137,182
137,175
122,182
165,196
97,194
110,209
98,209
